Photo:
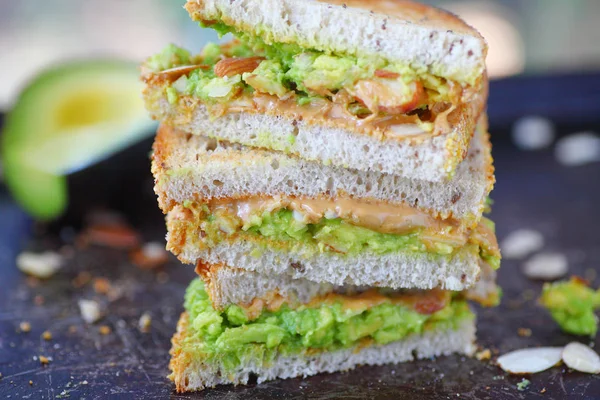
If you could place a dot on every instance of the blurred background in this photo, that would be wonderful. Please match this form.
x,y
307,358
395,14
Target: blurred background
x,y
530,37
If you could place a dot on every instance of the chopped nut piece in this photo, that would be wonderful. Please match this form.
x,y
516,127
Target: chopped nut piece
x,y
485,354
236,66
524,332
543,390
145,322
44,360
42,265
25,327
150,256
90,311
81,279
47,335
105,330
102,285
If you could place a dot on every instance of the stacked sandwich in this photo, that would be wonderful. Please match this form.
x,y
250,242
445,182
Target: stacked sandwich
x,y
326,171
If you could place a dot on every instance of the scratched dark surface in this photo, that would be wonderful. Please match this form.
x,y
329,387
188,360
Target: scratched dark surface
x,y
533,191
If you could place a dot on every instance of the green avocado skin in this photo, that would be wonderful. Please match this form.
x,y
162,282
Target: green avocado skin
x,y
229,337
572,304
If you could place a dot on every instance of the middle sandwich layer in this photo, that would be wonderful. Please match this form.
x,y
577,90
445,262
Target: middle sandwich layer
x,y
338,241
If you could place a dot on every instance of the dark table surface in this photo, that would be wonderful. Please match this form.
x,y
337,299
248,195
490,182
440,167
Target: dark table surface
x,y
533,191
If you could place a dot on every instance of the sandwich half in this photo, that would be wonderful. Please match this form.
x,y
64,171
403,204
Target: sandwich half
x,y
333,332
263,211
400,92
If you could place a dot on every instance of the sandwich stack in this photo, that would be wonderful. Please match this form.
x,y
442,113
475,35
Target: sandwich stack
x,y
326,171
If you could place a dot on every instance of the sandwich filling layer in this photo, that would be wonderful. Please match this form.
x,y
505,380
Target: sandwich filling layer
x,y
251,76
345,226
334,322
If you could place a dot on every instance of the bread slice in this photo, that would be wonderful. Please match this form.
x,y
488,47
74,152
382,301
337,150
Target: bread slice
x,y
194,168
405,32
191,374
395,270
428,157
227,286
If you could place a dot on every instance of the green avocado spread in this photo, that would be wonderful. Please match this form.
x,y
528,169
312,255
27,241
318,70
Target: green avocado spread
x,y
571,304
290,72
279,228
230,338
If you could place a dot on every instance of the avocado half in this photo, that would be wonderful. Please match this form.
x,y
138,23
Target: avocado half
x,y
67,118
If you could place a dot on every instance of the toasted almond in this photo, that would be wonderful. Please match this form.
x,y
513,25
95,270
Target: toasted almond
x,y
382,73
173,74
530,361
581,358
235,66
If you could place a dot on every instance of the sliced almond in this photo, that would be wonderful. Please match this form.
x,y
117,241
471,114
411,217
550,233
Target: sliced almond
x,y
90,311
546,266
520,243
42,265
382,73
236,66
530,361
581,358
173,74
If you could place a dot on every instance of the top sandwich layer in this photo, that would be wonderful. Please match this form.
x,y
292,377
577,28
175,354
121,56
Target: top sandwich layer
x,y
421,37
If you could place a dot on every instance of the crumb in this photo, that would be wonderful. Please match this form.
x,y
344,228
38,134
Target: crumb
x,y
523,384
39,300
72,329
102,285
30,383
543,390
81,279
150,255
162,278
44,360
47,335
40,265
105,330
145,322
25,327
90,311
485,354
487,388
524,332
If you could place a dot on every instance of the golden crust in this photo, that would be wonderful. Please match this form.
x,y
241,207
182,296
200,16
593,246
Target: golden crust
x,y
180,360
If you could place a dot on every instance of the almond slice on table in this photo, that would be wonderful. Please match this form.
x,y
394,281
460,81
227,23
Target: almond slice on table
x,y
235,66
581,358
520,243
546,266
530,361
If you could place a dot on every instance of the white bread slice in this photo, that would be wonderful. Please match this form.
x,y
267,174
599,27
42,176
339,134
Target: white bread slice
x,y
191,374
195,168
399,31
394,270
433,157
227,286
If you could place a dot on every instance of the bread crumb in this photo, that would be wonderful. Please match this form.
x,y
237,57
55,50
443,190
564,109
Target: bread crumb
x,y
47,335
82,279
30,383
39,265
90,311
101,285
543,390
44,360
150,255
145,322
524,332
105,330
25,327
485,354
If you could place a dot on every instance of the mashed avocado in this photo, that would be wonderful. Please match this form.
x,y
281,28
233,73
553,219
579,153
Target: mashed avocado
x,y
289,70
328,235
231,338
572,304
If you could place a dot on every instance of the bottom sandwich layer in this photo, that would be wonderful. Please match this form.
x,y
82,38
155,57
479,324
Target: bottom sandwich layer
x,y
212,347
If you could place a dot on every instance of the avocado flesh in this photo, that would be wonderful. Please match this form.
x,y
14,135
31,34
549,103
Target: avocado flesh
x,y
230,339
281,230
572,304
287,69
66,119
